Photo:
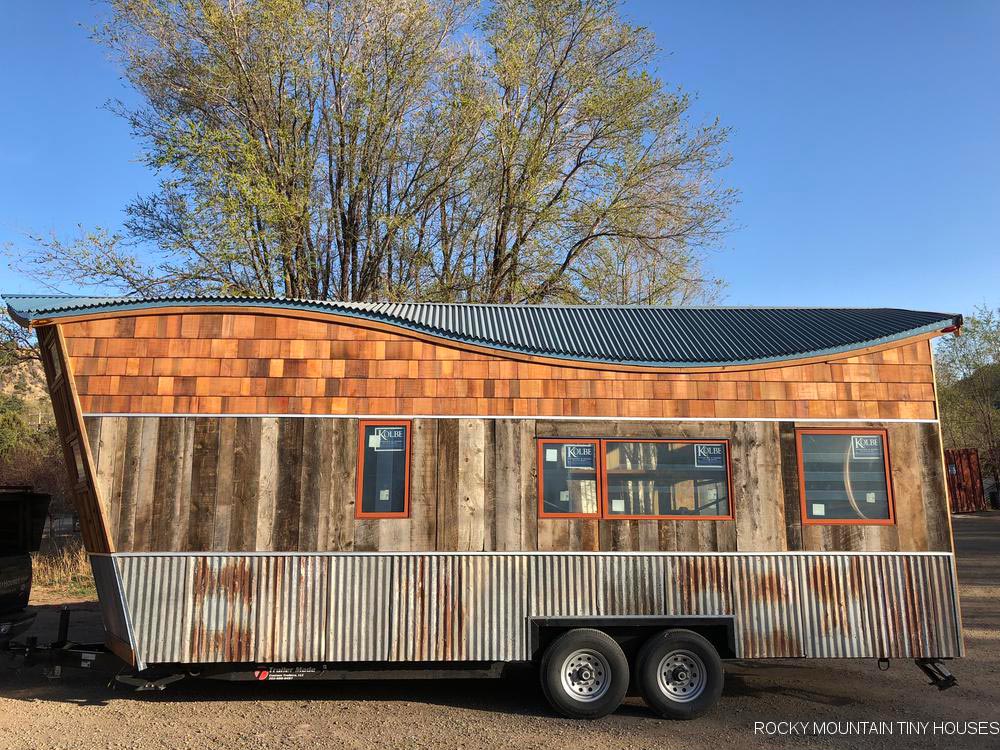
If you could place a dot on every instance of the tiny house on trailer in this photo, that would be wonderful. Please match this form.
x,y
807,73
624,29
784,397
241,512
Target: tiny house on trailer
x,y
277,488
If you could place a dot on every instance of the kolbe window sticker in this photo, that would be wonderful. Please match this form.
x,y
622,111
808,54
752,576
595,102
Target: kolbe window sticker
x,y
579,456
865,447
709,455
387,439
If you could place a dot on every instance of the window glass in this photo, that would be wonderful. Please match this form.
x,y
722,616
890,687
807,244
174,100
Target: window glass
x,y
569,477
844,477
667,478
385,450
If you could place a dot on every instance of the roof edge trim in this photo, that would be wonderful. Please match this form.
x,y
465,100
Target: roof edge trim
x,y
317,310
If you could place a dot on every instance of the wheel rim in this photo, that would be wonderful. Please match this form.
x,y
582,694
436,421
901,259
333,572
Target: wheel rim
x,y
586,675
681,676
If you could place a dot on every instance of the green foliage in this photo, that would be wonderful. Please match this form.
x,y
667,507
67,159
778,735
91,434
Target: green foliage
x,y
968,368
372,149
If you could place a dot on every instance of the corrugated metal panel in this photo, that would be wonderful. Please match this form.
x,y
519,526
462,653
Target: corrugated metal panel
x,y
879,606
399,607
633,335
109,595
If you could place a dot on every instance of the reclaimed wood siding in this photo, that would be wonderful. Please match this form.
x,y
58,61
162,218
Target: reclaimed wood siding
x,y
222,363
288,484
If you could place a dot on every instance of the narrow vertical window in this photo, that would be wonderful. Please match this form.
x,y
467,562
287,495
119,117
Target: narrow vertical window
x,y
844,477
567,478
384,470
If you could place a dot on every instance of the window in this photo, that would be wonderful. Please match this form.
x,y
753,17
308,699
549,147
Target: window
x,y
843,476
634,479
384,470
666,479
567,478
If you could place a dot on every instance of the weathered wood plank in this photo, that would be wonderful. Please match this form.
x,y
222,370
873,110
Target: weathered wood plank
x,y
204,485
146,483
167,490
489,485
226,484
471,487
507,484
287,508
267,484
423,484
790,486
448,438
343,484
907,480
934,491
246,485
758,489
529,484
125,535
313,510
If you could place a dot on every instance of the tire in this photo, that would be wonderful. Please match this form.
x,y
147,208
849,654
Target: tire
x,y
584,674
679,674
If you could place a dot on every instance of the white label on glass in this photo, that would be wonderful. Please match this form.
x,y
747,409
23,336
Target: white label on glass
x,y
374,441
389,439
618,505
709,456
819,509
870,497
383,496
564,497
551,455
579,456
866,447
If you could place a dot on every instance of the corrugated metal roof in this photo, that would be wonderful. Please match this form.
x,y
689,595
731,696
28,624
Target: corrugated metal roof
x,y
628,335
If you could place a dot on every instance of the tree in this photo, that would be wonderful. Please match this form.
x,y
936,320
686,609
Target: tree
x,y
415,149
968,369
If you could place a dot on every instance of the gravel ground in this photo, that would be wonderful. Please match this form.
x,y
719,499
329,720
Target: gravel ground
x,y
83,711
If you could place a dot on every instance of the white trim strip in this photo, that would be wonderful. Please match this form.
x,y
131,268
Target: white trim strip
x,y
523,553
520,416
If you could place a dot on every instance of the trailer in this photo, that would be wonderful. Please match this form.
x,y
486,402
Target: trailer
x,y
626,497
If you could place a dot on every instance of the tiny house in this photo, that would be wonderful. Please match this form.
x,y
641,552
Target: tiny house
x,y
626,496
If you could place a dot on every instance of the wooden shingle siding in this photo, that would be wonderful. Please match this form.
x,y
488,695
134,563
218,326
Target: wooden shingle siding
x,y
288,484
244,363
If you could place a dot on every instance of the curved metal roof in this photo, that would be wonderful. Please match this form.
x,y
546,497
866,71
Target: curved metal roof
x,y
632,335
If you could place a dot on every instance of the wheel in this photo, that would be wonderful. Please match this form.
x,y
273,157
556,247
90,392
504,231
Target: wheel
x,y
680,674
584,674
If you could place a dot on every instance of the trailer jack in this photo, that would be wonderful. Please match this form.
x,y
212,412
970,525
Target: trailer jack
x,y
939,675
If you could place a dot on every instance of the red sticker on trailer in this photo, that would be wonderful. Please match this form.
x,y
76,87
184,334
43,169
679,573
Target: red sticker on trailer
x,y
261,674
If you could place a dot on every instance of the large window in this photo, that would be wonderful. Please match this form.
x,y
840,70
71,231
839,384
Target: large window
x,y
666,479
384,470
634,479
844,477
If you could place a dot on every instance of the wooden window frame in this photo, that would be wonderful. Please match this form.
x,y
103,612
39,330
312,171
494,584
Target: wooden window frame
x,y
602,513
359,512
800,459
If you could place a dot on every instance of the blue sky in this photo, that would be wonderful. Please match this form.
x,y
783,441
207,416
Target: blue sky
x,y
866,141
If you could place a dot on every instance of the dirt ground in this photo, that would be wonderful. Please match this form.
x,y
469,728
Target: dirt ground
x,y
82,711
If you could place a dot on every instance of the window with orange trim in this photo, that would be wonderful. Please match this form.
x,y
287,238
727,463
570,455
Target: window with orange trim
x,y
568,478
383,470
844,476
621,479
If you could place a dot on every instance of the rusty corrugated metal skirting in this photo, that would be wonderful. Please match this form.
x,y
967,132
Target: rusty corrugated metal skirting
x,y
399,607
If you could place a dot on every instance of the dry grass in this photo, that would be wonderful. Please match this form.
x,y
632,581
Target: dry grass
x,y
64,571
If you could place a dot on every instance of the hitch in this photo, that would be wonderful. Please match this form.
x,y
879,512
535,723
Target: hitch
x,y
939,675
148,684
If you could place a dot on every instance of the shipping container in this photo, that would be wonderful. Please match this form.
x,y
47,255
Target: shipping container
x,y
624,496
965,480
